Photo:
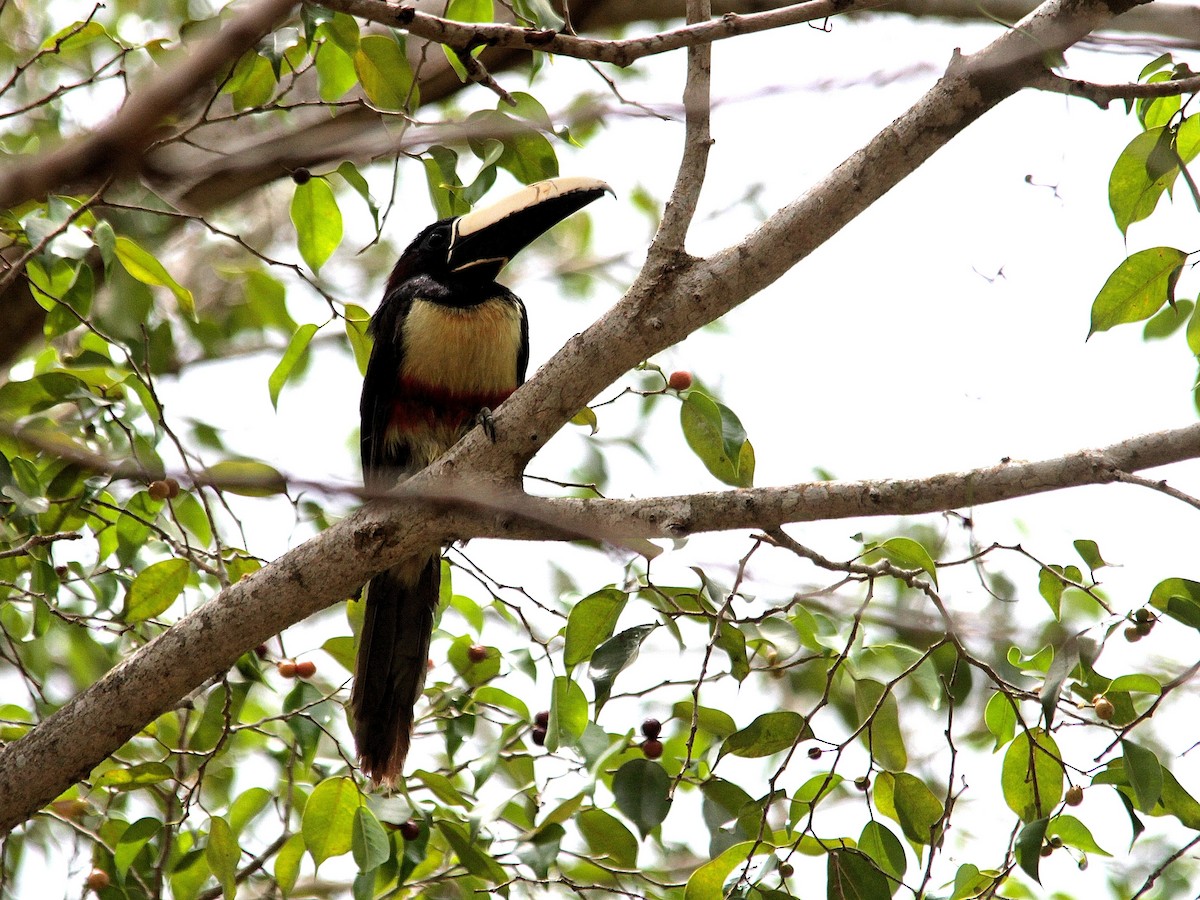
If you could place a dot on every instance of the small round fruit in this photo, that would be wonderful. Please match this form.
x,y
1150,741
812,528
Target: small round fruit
x,y
261,651
814,752
1047,850
786,870
286,668
652,728
542,719
477,653
1143,615
1132,634
301,176
158,490
538,735
410,829
1074,795
1104,709
862,782
1144,628
680,381
306,668
97,880
1056,842
652,748
172,488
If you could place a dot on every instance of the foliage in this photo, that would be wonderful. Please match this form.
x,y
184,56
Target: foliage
x,y
835,732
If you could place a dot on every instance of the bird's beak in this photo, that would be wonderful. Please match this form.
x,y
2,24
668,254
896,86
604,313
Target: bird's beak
x,y
486,239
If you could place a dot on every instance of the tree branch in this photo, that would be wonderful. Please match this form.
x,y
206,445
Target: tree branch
x,y
1104,94
116,147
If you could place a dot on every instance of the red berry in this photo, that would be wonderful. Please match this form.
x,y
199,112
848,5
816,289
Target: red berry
x,y
542,719
680,381
410,829
261,651
97,880
652,749
652,728
477,653
539,736
286,668
306,668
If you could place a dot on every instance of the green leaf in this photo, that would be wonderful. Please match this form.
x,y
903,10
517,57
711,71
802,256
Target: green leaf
x,y
1135,683
154,589
1074,834
252,83
470,10
134,777
1179,598
1168,320
222,853
287,863
144,267
717,437
470,855
883,736
1029,847
590,623
329,815
296,348
708,881
909,554
568,714
1031,775
1000,718
1144,772
131,842
909,801
731,639
769,733
612,657
641,789
1143,171
318,221
1137,288
383,70
541,852
248,805
247,477
970,883
1089,552
852,875
607,838
886,851
369,842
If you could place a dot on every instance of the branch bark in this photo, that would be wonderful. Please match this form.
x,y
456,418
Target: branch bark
x,y
663,306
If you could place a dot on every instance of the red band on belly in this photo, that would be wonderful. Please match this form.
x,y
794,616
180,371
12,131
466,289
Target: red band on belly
x,y
423,404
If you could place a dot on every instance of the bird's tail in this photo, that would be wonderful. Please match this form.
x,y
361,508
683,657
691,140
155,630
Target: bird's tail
x,y
393,654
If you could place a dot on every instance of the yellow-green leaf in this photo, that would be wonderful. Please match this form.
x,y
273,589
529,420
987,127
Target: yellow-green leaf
x,y
296,349
144,267
154,589
328,822
318,221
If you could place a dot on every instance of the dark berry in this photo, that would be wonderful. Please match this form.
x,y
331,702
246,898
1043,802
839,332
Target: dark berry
x,y
814,752
652,728
539,736
542,719
410,829
652,749
301,176
477,653
97,880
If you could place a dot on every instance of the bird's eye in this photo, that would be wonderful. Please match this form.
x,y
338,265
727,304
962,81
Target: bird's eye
x,y
438,240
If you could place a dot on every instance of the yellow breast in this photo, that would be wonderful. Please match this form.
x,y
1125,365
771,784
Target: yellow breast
x,y
467,350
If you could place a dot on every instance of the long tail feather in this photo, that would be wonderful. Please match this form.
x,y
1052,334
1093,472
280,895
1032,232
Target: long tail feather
x,y
389,674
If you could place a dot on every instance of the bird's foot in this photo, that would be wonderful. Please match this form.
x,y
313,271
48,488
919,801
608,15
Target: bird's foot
x,y
484,420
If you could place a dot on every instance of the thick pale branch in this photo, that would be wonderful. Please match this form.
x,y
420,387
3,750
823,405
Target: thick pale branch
x,y
116,147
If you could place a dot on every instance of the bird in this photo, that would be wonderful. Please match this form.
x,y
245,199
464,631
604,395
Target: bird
x,y
449,345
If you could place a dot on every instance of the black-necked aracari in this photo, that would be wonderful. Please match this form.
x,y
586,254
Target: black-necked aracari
x,y
449,344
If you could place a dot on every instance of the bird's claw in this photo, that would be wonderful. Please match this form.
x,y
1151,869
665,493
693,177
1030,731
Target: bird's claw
x,y
487,422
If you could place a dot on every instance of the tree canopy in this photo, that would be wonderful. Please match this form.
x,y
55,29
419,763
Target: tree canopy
x,y
646,679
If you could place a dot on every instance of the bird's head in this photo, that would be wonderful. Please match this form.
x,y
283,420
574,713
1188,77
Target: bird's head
x,y
473,248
